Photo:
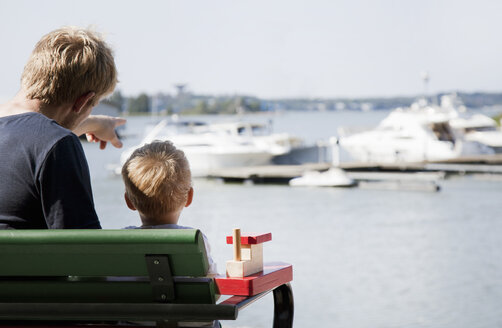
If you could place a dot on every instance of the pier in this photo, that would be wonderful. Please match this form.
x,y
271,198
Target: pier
x,y
395,175
267,173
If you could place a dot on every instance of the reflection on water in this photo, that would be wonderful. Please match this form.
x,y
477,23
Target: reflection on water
x,y
362,258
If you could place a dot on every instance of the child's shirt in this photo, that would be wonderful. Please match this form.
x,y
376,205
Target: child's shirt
x,y
212,265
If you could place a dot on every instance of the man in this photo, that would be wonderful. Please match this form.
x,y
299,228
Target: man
x,y
44,177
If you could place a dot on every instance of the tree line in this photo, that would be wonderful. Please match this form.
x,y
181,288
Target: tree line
x,y
188,103
185,104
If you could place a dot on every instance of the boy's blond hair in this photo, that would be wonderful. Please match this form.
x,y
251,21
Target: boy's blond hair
x,y
67,63
157,178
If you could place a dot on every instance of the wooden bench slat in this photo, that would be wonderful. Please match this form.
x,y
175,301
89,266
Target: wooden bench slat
x,y
117,311
127,292
98,236
99,252
46,264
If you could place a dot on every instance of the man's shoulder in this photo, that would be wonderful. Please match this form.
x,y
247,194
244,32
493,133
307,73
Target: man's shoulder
x,y
32,137
37,131
34,124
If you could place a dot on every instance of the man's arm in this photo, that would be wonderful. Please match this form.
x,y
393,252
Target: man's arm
x,y
101,128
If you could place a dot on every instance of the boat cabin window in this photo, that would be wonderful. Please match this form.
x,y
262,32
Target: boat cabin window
x,y
254,130
480,129
241,130
443,132
259,130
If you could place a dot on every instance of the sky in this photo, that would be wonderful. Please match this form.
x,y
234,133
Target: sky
x,y
275,48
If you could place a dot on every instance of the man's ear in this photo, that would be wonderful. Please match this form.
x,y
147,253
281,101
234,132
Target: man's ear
x,y
82,101
129,203
190,197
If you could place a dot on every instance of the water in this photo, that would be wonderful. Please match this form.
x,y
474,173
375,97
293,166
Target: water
x,y
362,258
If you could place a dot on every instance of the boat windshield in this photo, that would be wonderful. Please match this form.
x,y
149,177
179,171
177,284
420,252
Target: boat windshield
x,y
253,130
443,132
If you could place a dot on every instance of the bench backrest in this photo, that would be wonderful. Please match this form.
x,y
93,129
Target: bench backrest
x,y
137,266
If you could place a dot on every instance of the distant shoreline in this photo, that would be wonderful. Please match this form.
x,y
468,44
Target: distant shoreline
x,y
187,103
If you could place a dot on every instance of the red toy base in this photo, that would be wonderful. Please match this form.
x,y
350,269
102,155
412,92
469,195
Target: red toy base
x,y
274,274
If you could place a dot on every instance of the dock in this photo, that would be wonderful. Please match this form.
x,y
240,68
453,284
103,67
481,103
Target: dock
x,y
396,176
464,168
368,172
424,186
284,173
267,173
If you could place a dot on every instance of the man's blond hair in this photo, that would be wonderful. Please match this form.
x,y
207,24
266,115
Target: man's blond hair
x,y
67,63
157,178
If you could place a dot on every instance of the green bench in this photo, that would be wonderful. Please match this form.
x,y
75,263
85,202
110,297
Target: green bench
x,y
115,277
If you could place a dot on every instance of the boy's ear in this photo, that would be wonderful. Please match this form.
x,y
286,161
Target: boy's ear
x,y
82,101
129,203
190,197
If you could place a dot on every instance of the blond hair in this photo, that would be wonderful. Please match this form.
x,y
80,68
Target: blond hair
x,y
157,178
67,63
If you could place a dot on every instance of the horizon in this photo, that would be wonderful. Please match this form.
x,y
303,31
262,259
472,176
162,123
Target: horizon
x,y
417,95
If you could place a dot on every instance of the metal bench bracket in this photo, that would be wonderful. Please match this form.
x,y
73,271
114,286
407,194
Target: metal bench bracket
x,y
161,278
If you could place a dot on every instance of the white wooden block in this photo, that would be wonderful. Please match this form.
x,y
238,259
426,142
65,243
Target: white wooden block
x,y
249,252
243,268
235,268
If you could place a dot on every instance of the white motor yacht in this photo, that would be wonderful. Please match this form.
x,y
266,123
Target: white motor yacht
x,y
419,133
211,147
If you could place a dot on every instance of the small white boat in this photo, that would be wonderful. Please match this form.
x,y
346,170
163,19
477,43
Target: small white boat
x,y
334,177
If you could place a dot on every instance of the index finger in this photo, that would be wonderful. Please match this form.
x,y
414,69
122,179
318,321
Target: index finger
x,y
119,121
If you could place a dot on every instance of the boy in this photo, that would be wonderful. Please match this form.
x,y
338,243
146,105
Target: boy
x,y
158,185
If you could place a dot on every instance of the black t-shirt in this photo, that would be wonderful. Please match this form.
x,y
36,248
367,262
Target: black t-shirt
x,y
44,177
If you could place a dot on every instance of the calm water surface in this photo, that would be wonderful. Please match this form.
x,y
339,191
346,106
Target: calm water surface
x,y
362,258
